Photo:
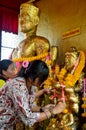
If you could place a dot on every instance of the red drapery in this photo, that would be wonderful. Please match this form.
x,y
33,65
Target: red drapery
x,y
8,20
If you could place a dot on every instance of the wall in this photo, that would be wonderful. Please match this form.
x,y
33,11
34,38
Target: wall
x,y
57,17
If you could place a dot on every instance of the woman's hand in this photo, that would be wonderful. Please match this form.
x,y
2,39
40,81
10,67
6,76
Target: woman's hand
x,y
59,108
42,91
51,111
47,107
47,90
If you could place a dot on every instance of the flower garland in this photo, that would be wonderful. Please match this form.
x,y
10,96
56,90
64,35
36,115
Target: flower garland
x,y
71,79
48,83
31,58
83,106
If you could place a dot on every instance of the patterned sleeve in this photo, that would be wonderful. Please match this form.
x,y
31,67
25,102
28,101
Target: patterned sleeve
x,y
32,98
21,102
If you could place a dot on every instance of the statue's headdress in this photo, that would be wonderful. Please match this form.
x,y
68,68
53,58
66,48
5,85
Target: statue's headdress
x,y
30,9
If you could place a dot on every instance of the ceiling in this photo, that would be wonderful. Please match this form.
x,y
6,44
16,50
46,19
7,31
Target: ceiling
x,y
12,4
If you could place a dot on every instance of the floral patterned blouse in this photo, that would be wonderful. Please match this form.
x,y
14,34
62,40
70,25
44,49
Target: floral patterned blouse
x,y
15,105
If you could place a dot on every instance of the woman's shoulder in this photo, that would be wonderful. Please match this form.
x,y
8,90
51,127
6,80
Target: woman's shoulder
x,y
19,81
18,77
16,80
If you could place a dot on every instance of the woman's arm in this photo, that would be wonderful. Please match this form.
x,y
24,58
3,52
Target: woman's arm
x,y
35,108
42,91
21,95
49,110
42,109
48,113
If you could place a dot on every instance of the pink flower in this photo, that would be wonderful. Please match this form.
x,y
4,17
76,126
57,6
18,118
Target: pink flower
x,y
48,57
17,64
25,63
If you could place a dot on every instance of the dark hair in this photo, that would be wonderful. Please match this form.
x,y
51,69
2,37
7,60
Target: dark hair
x,y
4,64
35,69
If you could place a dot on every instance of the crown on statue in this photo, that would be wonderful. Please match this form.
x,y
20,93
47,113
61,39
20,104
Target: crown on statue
x,y
29,8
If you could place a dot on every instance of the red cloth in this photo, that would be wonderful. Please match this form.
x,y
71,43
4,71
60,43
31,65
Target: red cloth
x,y
8,20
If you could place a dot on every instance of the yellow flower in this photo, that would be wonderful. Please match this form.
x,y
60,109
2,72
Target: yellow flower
x,y
71,79
84,114
31,58
83,106
65,111
56,69
84,98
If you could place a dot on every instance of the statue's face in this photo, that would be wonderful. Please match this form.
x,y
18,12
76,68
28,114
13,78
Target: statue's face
x,y
28,17
70,59
26,23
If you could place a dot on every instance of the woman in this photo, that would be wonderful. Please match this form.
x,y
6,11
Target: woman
x,y
7,70
14,104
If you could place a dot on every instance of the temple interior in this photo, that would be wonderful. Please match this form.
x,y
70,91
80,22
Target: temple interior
x,y
57,36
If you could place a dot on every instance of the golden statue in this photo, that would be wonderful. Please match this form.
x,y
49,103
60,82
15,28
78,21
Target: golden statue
x,y
67,87
33,45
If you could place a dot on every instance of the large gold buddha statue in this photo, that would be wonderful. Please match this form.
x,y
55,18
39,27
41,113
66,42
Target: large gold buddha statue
x,y
32,45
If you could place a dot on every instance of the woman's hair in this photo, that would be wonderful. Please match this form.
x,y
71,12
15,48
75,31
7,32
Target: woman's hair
x,y
35,69
4,64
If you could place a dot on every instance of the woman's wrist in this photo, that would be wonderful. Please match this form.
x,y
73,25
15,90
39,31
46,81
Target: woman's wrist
x,y
43,90
46,115
49,113
41,109
51,110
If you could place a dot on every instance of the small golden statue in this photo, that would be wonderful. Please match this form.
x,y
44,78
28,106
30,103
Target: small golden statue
x,y
67,86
